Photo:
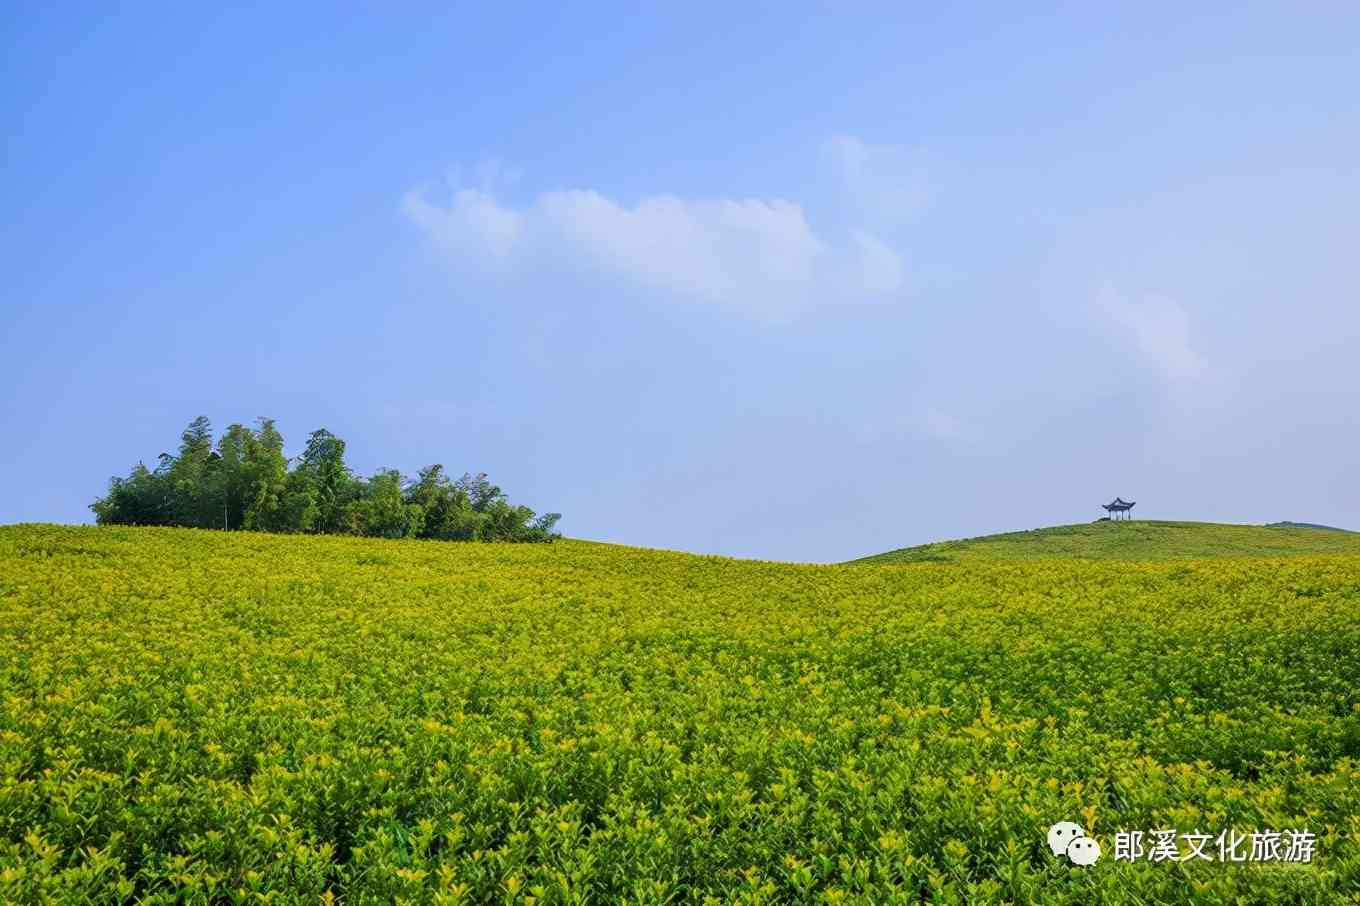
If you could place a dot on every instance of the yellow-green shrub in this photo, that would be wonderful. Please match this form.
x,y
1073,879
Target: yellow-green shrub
x,y
190,716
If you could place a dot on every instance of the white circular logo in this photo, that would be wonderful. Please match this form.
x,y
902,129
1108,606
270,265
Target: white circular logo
x,y
1083,851
1066,838
1061,834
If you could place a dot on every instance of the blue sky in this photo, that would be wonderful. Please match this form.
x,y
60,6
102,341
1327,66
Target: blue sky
x,y
795,282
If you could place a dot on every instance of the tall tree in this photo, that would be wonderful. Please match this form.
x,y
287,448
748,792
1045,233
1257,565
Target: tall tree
x,y
480,491
190,475
323,465
267,471
299,511
234,475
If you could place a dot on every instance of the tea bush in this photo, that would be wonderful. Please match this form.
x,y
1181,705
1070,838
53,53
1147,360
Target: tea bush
x,y
205,717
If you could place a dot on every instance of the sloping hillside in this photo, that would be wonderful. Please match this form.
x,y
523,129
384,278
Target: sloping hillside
x,y
1308,525
1135,540
229,717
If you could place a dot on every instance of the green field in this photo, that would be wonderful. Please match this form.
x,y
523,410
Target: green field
x,y
1136,540
208,717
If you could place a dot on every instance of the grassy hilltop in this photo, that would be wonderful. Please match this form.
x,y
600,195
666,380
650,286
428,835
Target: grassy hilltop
x,y
209,717
1136,540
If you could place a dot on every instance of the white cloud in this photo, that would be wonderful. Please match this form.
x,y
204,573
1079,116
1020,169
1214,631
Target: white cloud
x,y
881,182
726,252
473,225
1160,329
879,267
750,254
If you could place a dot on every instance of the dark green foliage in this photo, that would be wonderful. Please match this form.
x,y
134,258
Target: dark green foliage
x,y
448,510
380,510
143,498
246,483
267,474
322,471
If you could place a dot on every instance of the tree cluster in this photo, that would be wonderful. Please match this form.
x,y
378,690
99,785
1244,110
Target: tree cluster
x,y
246,482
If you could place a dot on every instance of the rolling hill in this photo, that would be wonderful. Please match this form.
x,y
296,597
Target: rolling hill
x,y
1135,540
213,717
1308,525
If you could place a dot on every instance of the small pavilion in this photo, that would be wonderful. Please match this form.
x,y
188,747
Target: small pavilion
x,y
1118,506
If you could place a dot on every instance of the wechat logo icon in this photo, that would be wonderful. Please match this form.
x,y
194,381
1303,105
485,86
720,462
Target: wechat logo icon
x,y
1066,838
